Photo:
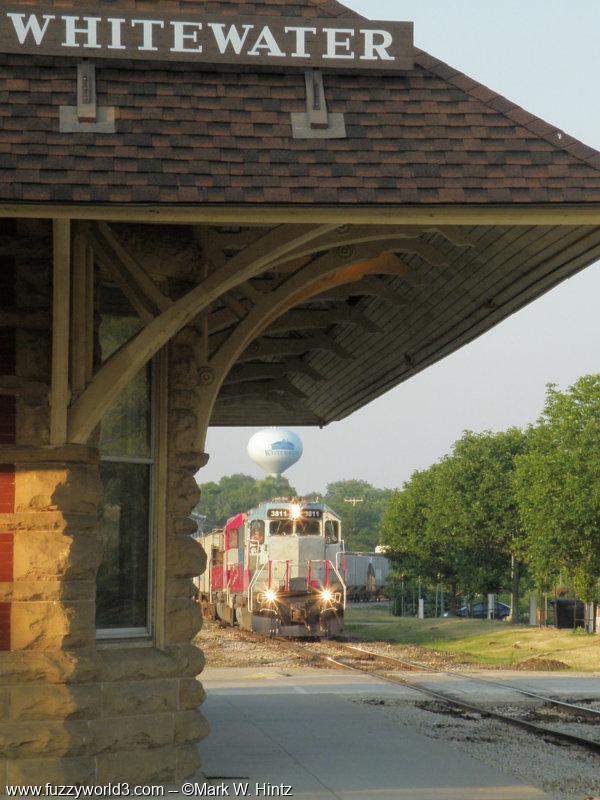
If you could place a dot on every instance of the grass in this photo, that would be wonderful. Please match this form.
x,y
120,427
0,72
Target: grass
x,y
480,641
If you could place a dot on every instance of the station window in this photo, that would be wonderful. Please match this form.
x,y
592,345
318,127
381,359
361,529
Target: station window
x,y
126,471
332,531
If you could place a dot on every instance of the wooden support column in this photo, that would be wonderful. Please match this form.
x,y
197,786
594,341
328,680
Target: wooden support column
x,y
82,319
61,301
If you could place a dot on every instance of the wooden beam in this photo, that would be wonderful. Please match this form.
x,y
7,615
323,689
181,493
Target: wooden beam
x,y
266,347
61,298
115,374
310,319
264,370
81,323
369,286
423,214
145,297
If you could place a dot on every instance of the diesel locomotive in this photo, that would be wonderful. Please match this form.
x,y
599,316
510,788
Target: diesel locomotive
x,y
277,570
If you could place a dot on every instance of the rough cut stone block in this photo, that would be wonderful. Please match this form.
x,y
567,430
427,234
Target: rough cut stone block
x,y
185,557
190,726
184,493
191,693
188,762
143,697
58,772
132,733
52,626
67,488
190,660
182,620
55,702
44,555
139,767
36,591
3,780
66,666
183,430
33,739
182,588
140,663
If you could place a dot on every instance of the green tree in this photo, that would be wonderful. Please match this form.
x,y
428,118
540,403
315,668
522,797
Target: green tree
x,y
361,507
457,522
234,494
420,549
558,488
475,507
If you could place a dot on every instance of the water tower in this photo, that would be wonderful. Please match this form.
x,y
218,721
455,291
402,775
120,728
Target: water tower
x,y
275,450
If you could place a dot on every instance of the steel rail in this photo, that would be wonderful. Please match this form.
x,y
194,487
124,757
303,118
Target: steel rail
x,y
572,708
531,727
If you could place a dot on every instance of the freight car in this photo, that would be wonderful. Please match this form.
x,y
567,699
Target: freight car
x,y
274,570
365,575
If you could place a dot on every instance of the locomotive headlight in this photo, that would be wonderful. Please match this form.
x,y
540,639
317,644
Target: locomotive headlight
x,y
270,595
295,512
327,595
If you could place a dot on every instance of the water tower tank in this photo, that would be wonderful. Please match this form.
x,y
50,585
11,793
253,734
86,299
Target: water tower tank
x,y
275,450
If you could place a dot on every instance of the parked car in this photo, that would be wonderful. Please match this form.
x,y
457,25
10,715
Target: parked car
x,y
480,611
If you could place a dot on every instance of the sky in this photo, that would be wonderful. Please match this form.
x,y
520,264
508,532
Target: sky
x,y
544,55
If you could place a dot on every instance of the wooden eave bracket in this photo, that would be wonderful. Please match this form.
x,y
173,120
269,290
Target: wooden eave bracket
x,y
87,116
317,122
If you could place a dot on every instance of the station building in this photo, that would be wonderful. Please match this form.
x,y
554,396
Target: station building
x,y
218,213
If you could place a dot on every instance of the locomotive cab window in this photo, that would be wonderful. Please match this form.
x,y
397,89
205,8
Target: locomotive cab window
x,y
281,527
332,531
233,539
308,527
257,531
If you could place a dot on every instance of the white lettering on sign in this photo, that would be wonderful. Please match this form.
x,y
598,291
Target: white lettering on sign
x,y
90,31
301,34
148,28
334,44
116,26
233,37
373,51
180,37
32,26
208,38
266,41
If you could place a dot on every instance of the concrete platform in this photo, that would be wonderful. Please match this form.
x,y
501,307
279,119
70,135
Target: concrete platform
x,y
298,728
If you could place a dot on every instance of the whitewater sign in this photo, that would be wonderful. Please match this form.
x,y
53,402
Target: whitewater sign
x,y
277,41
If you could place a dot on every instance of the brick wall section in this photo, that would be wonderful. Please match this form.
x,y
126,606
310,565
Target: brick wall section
x,y
189,135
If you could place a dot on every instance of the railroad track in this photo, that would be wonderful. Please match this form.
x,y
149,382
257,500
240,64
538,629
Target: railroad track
x,y
313,651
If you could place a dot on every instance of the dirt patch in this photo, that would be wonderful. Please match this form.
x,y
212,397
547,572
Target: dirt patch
x,y
542,664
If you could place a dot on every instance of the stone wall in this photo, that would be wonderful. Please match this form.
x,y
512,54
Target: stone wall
x,y
73,711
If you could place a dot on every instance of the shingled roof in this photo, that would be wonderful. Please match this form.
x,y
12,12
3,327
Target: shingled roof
x,y
188,134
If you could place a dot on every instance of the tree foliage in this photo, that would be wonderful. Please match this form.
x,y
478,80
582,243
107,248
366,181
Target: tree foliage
x,y
457,522
234,494
361,518
558,488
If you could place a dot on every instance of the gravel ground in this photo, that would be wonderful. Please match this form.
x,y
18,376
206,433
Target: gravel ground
x,y
563,771
230,647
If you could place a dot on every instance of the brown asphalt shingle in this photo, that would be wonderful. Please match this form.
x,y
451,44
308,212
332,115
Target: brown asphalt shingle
x,y
186,134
